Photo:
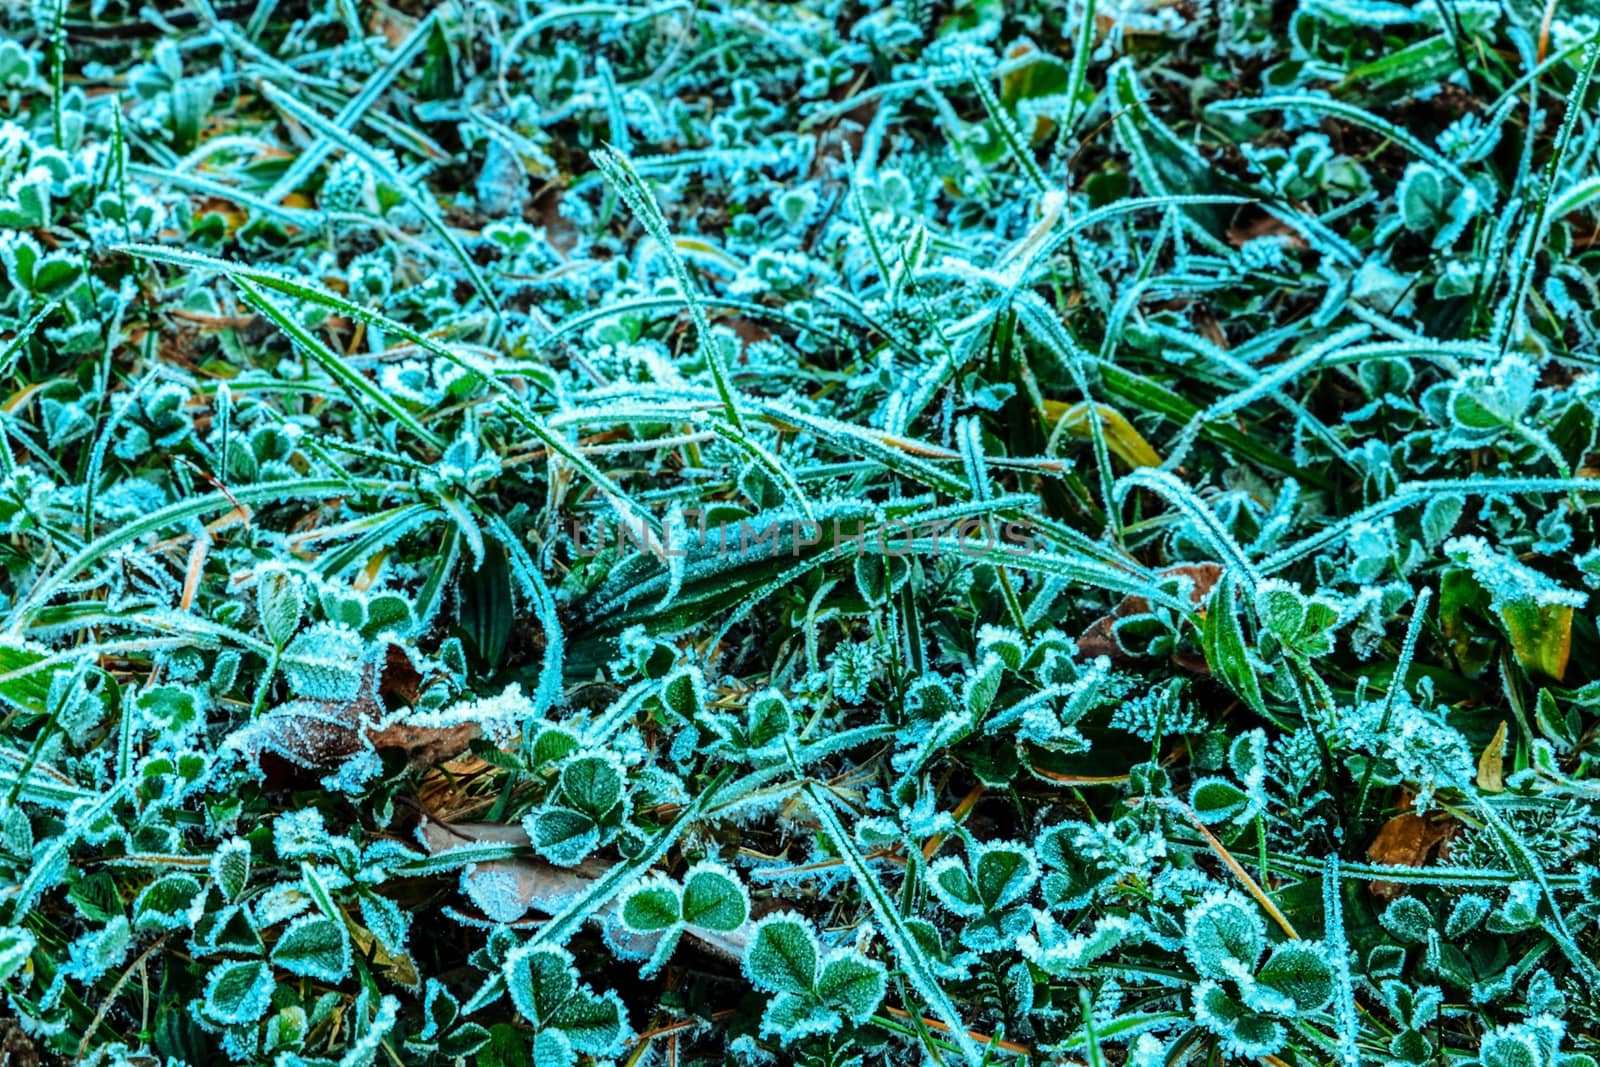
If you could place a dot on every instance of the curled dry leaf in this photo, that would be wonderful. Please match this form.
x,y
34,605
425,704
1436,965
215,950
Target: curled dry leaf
x,y
1408,840
1491,765
1100,640
1245,230
319,735
508,891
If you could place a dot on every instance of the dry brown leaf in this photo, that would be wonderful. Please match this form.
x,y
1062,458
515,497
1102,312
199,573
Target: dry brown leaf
x,y
306,735
1099,640
1264,226
508,890
1407,840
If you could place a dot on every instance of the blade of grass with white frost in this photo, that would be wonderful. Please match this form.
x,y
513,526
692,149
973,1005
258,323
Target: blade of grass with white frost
x,y
14,348
424,205
183,511
1344,996
908,954
1167,486
512,404
1350,113
636,194
361,391
307,160
1409,494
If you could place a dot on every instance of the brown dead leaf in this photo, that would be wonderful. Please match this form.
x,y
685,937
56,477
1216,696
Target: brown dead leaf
x,y
308,735
232,216
392,25
1407,840
426,746
747,330
1208,327
507,891
1264,226
1099,640
545,211
400,678
402,968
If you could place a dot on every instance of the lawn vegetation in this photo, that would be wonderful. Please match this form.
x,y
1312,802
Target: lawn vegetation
x,y
819,533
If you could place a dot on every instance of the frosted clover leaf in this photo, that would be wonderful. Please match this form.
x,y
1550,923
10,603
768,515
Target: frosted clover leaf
x,y
762,733
314,946
1302,626
167,904
711,903
586,810
1224,936
814,994
1217,800
1484,403
238,992
280,604
567,1016
325,662
1436,205
1240,999
988,889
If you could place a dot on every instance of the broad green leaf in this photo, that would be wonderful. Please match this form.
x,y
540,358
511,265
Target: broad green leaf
x,y
852,985
1541,636
314,946
651,907
164,904
238,992
23,683
1003,873
540,979
16,944
782,957
1217,800
1224,930
714,899
1299,970
592,785
595,1024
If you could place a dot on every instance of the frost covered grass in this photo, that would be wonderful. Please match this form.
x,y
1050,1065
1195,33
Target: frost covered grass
x,y
800,533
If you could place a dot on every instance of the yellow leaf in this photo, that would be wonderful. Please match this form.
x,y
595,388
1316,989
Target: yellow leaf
x,y
1541,636
1491,765
400,967
1122,439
